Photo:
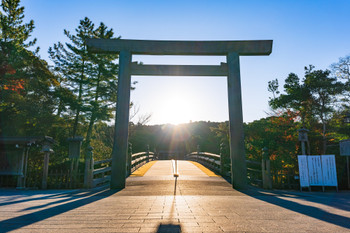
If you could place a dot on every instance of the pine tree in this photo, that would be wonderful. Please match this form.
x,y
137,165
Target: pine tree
x,y
26,83
11,23
103,84
73,63
91,77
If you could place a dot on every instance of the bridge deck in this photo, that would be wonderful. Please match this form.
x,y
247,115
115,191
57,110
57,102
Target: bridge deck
x,y
201,203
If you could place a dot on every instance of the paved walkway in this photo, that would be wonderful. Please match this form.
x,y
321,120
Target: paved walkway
x,y
201,204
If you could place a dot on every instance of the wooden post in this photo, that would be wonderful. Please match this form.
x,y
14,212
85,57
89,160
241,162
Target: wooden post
x,y
20,178
45,170
266,169
347,169
147,153
89,168
268,173
120,145
263,171
221,160
47,150
237,150
26,165
129,159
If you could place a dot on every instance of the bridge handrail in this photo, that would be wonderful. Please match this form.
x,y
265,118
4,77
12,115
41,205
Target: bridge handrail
x,y
137,160
102,161
213,161
206,154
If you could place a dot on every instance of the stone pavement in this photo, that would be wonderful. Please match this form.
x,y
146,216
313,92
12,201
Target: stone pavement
x,y
152,204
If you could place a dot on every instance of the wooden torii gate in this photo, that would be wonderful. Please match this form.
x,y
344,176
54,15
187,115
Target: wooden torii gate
x,y
231,49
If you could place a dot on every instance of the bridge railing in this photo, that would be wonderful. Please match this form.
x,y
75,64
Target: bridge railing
x,y
254,173
102,175
212,161
139,159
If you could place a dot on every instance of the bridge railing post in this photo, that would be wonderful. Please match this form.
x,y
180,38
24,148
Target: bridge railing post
x,y
89,167
128,166
147,153
48,141
198,150
266,169
221,160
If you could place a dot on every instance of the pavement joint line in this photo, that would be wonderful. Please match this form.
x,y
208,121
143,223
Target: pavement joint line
x,y
141,171
204,169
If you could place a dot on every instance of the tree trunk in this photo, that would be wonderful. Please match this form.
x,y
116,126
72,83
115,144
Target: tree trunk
x,y
94,110
76,120
324,138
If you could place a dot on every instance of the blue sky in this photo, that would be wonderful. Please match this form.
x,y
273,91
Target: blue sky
x,y
303,32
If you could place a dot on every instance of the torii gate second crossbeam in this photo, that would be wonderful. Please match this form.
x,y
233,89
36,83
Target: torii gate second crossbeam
x,y
231,49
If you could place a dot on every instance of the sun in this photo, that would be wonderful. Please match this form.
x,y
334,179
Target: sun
x,y
176,109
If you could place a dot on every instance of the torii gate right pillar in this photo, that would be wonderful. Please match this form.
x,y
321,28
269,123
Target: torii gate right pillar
x,y
237,149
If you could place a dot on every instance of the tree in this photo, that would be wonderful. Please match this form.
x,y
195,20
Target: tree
x,y
92,78
26,84
12,27
278,134
72,62
341,70
273,87
297,97
313,99
324,90
102,85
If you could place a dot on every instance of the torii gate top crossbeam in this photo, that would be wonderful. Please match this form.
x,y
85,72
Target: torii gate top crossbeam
x,y
154,47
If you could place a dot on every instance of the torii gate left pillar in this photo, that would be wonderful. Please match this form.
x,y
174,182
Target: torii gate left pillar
x,y
231,49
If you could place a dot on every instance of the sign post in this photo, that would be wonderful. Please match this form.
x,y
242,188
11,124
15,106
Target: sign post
x,y
345,151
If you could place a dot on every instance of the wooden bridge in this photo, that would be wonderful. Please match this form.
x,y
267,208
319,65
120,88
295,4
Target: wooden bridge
x,y
196,200
99,172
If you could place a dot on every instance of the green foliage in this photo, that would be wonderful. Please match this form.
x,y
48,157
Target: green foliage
x,y
184,137
278,134
26,84
72,64
341,70
11,24
313,99
297,98
273,87
90,77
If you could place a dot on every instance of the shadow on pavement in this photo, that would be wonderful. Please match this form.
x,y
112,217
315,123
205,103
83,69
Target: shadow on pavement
x,y
28,195
338,200
169,228
83,198
274,198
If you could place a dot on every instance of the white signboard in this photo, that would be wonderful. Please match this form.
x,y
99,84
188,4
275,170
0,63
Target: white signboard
x,y
329,171
315,170
303,171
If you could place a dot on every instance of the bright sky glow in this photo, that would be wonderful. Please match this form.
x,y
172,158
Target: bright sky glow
x,y
176,108
303,33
